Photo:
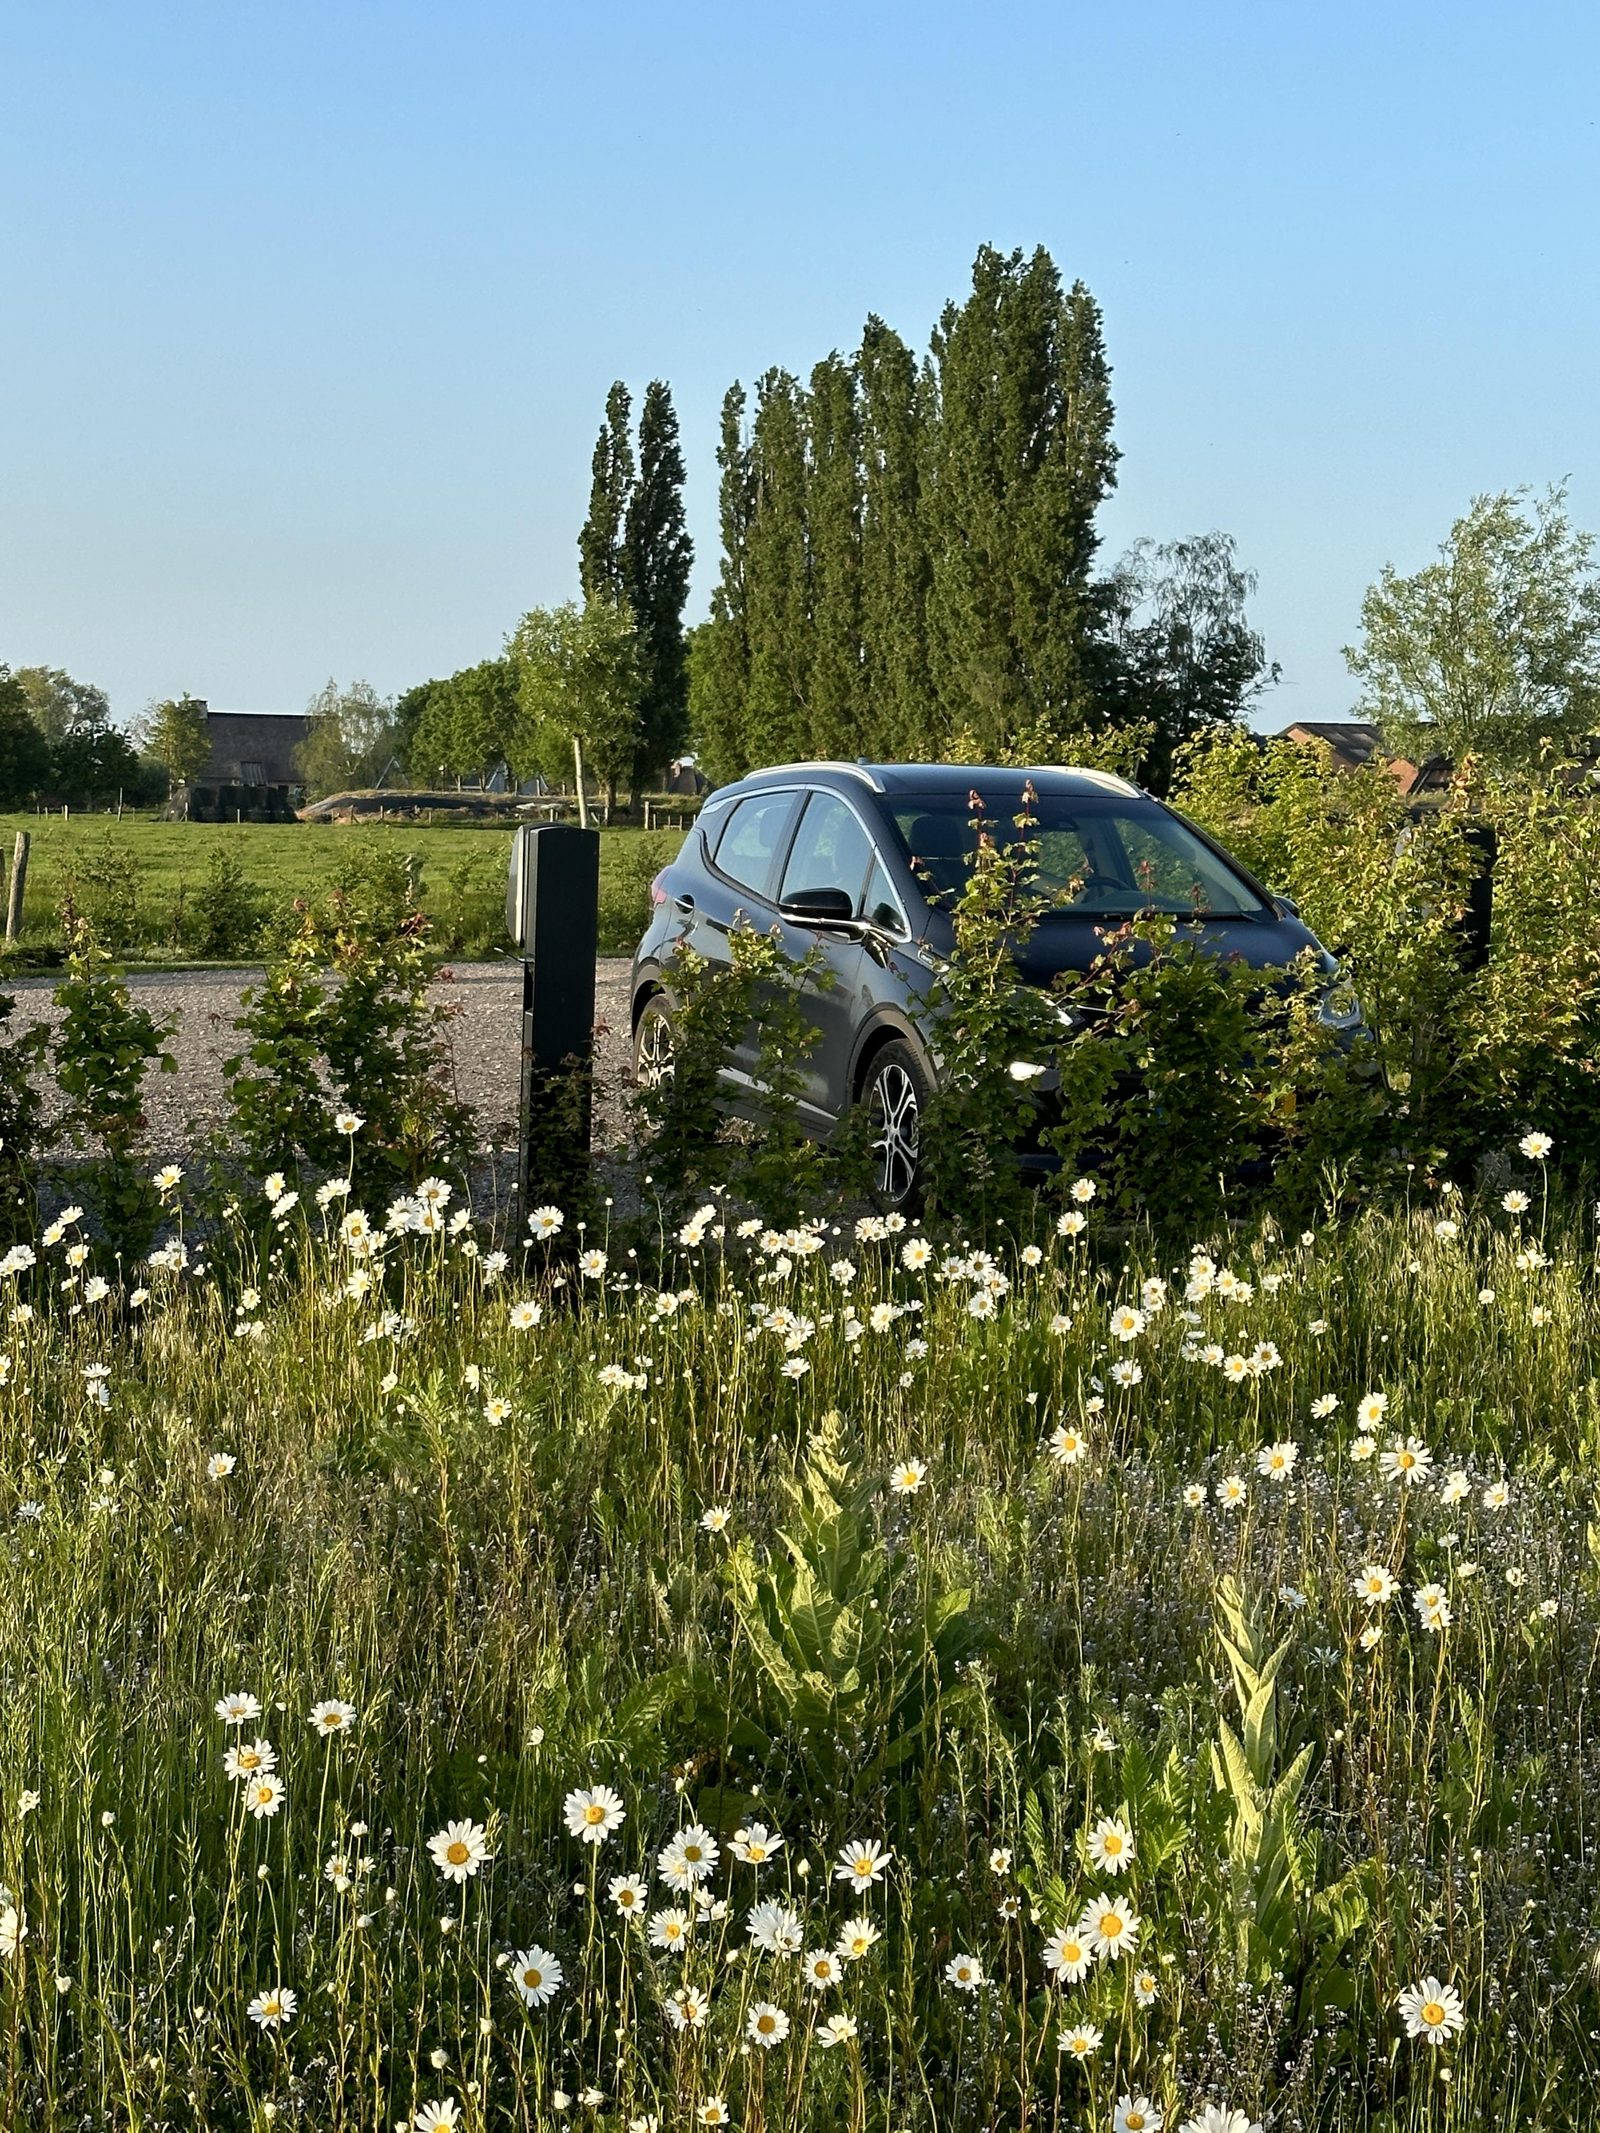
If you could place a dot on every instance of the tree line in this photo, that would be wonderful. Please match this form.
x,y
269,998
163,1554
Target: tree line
x,y
908,550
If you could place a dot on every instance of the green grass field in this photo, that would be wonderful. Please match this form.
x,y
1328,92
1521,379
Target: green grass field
x,y
138,878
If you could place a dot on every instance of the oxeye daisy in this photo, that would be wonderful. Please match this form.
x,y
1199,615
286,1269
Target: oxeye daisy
x,y
1082,2041
1111,1846
1407,1460
593,1812
537,1976
766,2025
1375,1584
862,1864
332,1716
273,2008
1432,2011
1110,1927
965,1972
459,1849
1136,2114
1068,1956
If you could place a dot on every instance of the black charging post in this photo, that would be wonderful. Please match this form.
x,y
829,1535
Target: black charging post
x,y
553,915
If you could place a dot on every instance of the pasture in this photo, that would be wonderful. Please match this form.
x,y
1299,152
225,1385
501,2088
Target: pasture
x,y
141,880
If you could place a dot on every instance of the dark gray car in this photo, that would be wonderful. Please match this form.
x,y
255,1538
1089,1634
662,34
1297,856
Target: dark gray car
x,y
860,860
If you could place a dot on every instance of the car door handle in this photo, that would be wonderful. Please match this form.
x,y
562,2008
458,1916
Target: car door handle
x,y
685,902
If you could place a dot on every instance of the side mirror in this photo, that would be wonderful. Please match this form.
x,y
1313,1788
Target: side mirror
x,y
1286,904
820,907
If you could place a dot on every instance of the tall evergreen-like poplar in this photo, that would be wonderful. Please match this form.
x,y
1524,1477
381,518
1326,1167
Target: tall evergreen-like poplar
x,y
778,594
656,557
899,716
1017,463
838,726
600,544
719,663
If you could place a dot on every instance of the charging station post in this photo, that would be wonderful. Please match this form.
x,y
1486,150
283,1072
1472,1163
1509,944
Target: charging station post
x,y
553,915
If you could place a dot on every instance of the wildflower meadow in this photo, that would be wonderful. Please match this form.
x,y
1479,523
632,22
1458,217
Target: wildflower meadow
x,y
835,1676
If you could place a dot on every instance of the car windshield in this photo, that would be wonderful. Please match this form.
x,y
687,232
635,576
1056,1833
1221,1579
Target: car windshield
x,y
1095,857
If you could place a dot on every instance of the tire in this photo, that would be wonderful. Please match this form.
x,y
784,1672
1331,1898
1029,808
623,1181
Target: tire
x,y
653,1042
895,1096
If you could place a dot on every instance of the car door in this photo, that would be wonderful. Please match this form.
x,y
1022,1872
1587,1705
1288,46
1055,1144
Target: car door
x,y
738,887
831,849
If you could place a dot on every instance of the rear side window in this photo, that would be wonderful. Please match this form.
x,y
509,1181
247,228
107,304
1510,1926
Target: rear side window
x,y
755,835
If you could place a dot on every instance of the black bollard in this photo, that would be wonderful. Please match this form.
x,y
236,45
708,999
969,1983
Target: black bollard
x,y
553,915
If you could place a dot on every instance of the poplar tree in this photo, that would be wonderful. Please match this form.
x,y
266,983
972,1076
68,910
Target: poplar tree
x,y
778,595
837,725
656,557
600,544
719,662
1018,460
900,719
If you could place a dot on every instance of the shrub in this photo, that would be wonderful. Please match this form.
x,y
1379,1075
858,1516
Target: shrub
x,y
102,1048
98,899
344,1024
224,915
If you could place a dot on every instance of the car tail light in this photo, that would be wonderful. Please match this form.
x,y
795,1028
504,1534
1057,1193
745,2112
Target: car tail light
x,y
658,894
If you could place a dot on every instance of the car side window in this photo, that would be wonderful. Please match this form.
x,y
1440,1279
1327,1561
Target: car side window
x,y
831,850
753,839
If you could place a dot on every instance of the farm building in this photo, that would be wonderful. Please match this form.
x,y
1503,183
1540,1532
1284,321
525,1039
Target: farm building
x,y
252,773
1353,744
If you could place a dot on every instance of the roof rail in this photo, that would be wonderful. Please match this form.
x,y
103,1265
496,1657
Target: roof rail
x,y
1107,780
849,770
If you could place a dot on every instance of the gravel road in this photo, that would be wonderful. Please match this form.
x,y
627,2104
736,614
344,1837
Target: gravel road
x,y
484,1034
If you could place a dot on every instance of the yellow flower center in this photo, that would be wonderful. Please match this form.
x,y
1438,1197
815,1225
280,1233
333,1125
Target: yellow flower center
x,y
1111,1925
1433,2014
594,1813
1133,2120
693,1854
533,1979
766,2025
1113,1844
458,1853
248,1759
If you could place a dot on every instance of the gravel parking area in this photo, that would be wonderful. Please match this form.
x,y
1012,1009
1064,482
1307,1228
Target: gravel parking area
x,y
485,1041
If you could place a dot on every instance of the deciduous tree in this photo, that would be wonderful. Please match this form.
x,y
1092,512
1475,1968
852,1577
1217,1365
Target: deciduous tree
x,y
350,742
578,676
176,733
1494,649
1176,649
24,751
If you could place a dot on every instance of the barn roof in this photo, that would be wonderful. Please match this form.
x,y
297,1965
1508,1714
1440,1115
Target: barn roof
x,y
253,747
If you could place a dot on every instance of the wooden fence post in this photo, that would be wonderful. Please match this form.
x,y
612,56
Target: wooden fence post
x,y
19,883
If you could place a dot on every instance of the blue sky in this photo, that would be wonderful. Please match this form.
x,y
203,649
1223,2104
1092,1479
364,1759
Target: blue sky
x,y
310,310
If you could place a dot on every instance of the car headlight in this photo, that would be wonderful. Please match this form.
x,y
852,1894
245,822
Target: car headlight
x,y
1339,1008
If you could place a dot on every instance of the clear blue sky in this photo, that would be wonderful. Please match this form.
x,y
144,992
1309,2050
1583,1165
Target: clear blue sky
x,y
309,310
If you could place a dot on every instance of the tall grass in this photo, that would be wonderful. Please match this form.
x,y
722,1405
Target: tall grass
x,y
798,1529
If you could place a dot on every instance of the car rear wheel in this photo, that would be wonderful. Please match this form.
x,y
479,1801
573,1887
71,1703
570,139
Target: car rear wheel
x,y
653,1043
896,1095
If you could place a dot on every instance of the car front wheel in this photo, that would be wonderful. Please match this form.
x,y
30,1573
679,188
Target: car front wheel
x,y
896,1095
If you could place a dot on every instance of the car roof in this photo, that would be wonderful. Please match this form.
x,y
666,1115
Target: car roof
x,y
929,779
